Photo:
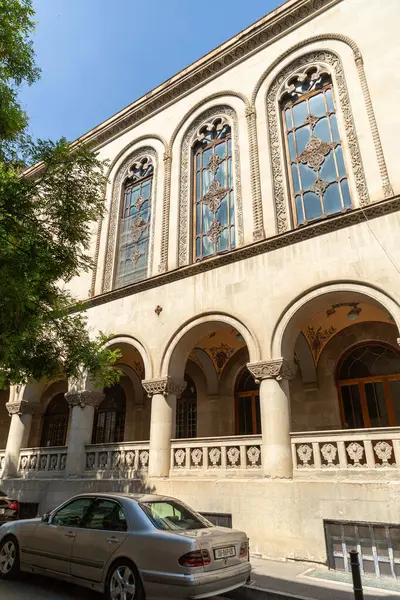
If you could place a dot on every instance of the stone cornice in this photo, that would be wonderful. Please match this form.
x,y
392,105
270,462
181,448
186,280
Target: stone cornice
x,y
255,37
279,368
323,227
164,386
22,407
84,398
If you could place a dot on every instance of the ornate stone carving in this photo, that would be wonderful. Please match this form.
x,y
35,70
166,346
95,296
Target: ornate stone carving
x,y
23,407
384,452
33,461
84,398
53,462
278,168
319,186
355,450
163,266
144,459
130,459
197,457
121,175
253,454
304,452
103,460
319,228
90,460
279,368
164,386
180,457
214,456
63,462
185,200
116,460
329,452
233,455
43,462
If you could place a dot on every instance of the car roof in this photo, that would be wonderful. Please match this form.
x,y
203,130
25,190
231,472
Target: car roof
x,y
137,497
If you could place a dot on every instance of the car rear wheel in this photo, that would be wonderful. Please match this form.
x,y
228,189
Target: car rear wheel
x,y
123,582
9,558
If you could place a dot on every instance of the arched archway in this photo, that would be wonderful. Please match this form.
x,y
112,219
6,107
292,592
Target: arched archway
x,y
316,330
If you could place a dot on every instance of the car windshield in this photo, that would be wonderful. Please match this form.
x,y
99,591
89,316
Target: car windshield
x,y
170,515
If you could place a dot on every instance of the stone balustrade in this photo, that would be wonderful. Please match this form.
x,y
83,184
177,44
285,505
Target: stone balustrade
x,y
42,462
224,456
353,452
123,460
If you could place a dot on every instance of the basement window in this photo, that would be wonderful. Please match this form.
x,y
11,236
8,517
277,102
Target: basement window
x,y
377,544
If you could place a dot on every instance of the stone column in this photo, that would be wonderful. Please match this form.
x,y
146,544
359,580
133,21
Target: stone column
x,y
83,404
21,412
164,393
274,378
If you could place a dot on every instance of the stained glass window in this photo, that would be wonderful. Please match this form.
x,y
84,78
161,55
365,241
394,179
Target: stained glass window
x,y
214,207
134,228
318,176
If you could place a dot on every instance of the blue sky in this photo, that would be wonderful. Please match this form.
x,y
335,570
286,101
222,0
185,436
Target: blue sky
x,y
97,56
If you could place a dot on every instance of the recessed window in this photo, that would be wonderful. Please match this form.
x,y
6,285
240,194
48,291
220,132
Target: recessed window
x,y
134,227
213,191
318,180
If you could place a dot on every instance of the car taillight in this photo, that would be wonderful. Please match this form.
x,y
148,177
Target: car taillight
x,y
198,558
13,505
244,550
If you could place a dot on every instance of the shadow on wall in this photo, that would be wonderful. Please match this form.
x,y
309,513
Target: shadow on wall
x,y
49,494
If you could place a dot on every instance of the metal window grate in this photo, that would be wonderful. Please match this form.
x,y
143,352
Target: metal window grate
x,y
378,546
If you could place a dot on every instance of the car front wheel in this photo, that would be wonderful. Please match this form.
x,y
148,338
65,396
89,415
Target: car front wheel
x,y
123,582
9,558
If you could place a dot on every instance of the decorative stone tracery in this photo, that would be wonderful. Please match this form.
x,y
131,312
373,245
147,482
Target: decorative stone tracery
x,y
166,385
279,368
84,398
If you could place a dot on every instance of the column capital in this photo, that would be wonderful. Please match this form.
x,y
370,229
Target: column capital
x,y
22,407
165,385
84,398
278,368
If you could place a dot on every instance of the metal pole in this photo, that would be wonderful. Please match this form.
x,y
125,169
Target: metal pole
x,y
355,571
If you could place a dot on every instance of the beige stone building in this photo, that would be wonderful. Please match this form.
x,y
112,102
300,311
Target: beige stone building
x,y
248,267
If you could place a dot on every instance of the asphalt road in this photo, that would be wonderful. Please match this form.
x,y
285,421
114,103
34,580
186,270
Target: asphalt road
x,y
30,587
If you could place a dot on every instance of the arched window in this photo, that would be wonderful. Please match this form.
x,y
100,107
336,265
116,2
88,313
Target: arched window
x,y
186,411
135,219
109,421
213,190
247,405
55,422
317,173
369,386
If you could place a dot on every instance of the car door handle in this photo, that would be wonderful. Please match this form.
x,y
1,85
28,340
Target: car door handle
x,y
112,540
70,534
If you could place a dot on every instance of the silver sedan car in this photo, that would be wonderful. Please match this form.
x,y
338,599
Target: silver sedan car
x,y
129,547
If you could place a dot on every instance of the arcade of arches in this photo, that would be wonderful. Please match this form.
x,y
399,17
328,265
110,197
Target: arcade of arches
x,y
343,373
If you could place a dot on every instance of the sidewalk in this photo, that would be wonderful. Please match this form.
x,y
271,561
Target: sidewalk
x,y
290,581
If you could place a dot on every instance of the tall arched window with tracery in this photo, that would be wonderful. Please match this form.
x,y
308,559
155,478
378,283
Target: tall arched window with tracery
x,y
213,190
316,167
135,219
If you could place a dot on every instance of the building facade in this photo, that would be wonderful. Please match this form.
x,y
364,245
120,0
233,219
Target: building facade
x,y
248,269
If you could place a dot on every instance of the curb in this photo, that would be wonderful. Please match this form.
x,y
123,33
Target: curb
x,y
253,592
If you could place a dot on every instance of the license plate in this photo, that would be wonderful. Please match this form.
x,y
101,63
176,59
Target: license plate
x,y
2,511
225,552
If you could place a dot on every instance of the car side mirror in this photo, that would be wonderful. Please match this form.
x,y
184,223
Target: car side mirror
x,y
45,518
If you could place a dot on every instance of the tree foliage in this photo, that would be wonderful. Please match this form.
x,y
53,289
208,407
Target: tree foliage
x,y
46,217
